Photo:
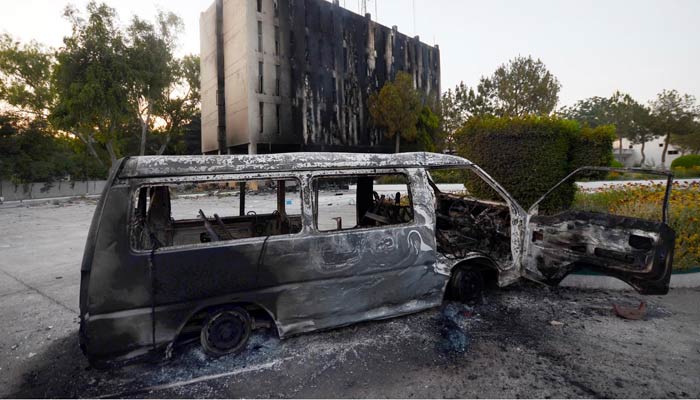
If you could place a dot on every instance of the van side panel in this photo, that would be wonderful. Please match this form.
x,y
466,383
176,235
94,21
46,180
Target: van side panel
x,y
307,281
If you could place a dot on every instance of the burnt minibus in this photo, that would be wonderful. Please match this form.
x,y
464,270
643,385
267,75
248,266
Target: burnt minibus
x,y
210,248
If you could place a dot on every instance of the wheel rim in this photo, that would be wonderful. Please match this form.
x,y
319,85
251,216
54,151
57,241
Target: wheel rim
x,y
225,332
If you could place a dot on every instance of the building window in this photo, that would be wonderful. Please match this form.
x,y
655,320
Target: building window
x,y
260,37
259,5
334,90
277,116
276,7
277,80
261,108
306,48
277,40
661,145
260,77
631,146
672,152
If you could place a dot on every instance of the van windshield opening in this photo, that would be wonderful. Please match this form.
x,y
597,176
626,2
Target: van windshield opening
x,y
471,216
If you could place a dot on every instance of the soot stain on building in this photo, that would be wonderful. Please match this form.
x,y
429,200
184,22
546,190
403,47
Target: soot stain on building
x,y
298,75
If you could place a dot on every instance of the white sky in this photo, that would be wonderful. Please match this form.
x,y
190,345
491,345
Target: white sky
x,y
594,47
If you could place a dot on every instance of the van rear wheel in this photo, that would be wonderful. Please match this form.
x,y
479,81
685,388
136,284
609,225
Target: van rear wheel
x,y
226,331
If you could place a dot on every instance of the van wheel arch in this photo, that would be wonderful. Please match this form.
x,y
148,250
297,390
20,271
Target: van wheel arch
x,y
469,278
260,316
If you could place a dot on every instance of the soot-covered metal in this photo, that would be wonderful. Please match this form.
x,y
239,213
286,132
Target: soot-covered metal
x,y
149,281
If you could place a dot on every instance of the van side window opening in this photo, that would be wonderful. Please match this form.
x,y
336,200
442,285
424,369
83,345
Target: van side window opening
x,y
203,212
355,202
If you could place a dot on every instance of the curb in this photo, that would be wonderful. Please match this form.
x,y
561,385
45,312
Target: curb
x,y
590,280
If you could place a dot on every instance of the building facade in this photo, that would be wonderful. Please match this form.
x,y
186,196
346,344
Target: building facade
x,y
291,75
631,154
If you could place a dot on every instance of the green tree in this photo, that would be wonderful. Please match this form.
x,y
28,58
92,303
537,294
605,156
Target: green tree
x,y
91,79
152,68
674,115
523,86
25,72
462,103
181,104
396,108
427,129
632,120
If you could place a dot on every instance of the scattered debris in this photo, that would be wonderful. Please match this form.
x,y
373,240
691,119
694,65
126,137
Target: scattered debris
x,y
631,313
31,355
556,323
14,346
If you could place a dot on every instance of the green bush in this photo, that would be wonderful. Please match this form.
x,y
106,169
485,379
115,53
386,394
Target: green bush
x,y
689,161
529,155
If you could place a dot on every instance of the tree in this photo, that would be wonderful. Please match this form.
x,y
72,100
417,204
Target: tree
x,y
457,106
689,143
90,79
152,67
674,115
177,111
523,86
594,111
427,129
25,72
396,108
631,119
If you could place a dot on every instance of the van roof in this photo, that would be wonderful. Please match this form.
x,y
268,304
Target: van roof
x,y
155,166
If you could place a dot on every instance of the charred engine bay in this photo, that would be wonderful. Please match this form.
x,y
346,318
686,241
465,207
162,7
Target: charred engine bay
x,y
467,225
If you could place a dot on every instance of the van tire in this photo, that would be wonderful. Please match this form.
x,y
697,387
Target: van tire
x,y
466,285
225,331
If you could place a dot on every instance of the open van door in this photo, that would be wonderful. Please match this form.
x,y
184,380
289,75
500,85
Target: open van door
x,y
637,251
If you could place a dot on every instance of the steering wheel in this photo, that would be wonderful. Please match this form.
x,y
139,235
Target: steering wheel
x,y
209,227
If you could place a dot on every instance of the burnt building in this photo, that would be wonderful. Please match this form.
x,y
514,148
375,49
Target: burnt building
x,y
291,75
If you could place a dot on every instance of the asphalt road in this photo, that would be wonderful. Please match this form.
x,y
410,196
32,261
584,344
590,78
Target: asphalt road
x,y
524,341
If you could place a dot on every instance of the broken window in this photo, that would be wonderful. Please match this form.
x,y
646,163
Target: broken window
x,y
355,202
260,77
261,119
277,80
277,40
202,212
277,117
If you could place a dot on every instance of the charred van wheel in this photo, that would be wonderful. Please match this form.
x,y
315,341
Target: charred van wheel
x,y
467,285
226,331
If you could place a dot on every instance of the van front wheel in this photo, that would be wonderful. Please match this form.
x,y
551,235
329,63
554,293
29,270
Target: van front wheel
x,y
226,331
466,285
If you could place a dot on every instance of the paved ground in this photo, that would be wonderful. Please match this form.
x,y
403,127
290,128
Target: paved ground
x,y
525,341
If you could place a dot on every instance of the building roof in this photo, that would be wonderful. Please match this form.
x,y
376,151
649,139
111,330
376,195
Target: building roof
x,y
155,166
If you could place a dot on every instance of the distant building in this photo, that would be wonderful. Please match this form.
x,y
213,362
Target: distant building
x,y
631,155
297,74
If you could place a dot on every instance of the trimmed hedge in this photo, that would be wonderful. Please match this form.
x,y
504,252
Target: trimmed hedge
x,y
689,161
529,155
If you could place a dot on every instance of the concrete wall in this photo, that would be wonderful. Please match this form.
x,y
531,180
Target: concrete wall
x,y
207,57
41,190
